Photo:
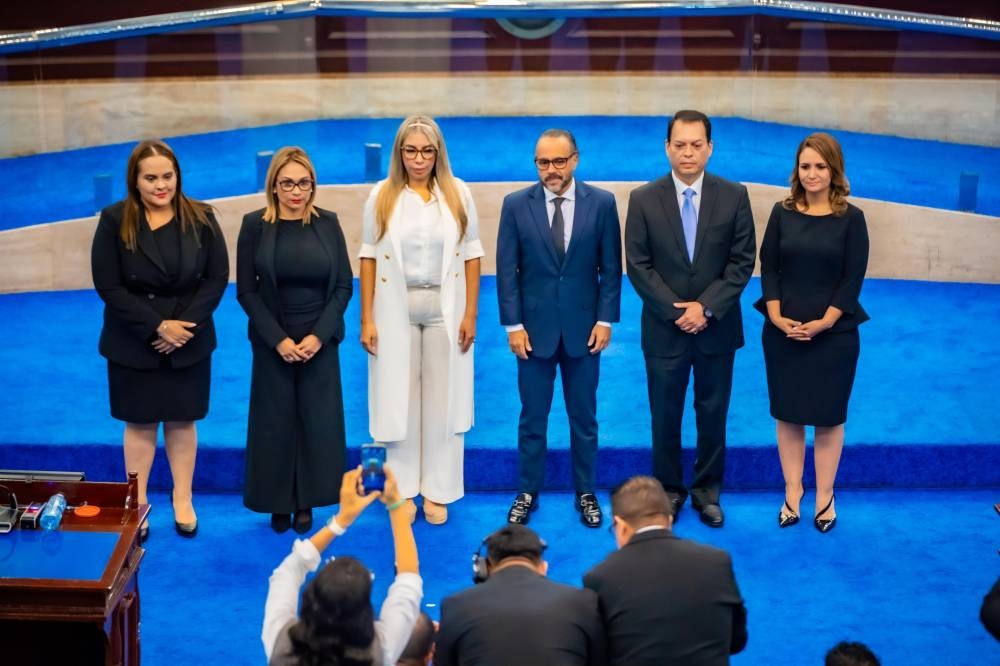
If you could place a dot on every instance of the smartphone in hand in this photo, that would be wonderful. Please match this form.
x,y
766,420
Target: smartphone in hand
x,y
372,467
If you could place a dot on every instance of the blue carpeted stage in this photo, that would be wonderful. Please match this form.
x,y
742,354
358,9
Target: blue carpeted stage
x,y
922,413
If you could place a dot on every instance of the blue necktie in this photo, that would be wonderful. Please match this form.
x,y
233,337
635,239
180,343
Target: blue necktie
x,y
689,219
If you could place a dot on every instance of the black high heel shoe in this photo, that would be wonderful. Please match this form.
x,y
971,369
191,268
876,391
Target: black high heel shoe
x,y
303,521
823,525
789,518
186,530
280,522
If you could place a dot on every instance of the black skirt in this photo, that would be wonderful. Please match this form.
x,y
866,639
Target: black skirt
x,y
160,394
809,383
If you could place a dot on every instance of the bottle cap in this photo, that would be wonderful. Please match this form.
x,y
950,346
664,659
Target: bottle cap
x,y
87,510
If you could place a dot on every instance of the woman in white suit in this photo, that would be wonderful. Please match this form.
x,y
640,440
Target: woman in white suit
x,y
419,300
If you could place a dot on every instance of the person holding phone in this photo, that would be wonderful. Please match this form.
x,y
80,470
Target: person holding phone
x,y
420,258
337,623
294,280
160,265
813,261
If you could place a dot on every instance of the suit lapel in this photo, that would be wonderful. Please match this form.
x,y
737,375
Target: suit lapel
x,y
540,215
708,187
268,238
147,244
668,199
190,244
320,229
583,217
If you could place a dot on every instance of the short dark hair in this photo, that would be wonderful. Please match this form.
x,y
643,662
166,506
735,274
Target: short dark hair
x,y
421,639
557,133
514,541
847,653
640,499
690,116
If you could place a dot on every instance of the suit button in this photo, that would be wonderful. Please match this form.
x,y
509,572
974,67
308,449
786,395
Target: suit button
x,y
456,254
386,256
131,277
384,279
150,296
456,274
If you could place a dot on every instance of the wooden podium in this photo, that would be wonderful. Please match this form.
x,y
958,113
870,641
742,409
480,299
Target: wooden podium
x,y
71,596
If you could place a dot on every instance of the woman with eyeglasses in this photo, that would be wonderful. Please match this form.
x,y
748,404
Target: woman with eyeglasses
x,y
420,258
160,265
294,280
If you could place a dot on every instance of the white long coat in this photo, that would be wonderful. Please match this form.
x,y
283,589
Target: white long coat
x,y
389,371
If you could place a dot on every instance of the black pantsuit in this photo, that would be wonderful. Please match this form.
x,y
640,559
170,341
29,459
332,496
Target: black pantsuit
x,y
667,382
663,274
295,433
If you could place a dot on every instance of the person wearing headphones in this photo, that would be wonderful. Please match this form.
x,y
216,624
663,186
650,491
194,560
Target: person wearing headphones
x,y
554,624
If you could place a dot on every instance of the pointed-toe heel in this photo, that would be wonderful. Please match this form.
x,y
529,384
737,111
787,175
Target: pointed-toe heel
x,y
787,517
822,524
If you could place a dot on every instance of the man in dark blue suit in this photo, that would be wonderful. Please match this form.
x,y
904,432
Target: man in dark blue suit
x,y
559,270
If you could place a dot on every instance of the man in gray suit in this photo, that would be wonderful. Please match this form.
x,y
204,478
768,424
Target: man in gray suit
x,y
690,250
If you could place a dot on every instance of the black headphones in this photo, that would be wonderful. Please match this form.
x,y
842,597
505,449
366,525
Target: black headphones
x,y
480,569
480,560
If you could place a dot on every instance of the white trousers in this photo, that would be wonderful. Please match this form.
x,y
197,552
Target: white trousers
x,y
430,460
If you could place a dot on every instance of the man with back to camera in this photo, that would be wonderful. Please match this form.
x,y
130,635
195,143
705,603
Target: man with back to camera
x,y
664,600
690,249
559,272
517,615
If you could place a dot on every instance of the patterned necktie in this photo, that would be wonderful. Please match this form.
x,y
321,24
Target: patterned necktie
x,y
558,229
689,219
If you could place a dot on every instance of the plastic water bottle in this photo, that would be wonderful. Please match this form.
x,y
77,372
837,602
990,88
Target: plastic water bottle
x,y
52,512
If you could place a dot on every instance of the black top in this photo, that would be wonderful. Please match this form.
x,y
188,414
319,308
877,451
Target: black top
x,y
810,262
168,243
302,271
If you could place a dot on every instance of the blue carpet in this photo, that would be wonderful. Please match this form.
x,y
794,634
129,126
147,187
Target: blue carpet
x,y
904,572
221,164
923,412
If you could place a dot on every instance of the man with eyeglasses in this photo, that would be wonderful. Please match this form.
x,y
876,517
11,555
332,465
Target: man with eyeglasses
x,y
690,250
664,600
559,270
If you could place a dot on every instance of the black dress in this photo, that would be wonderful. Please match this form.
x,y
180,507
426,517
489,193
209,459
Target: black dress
x,y
810,262
294,279
171,274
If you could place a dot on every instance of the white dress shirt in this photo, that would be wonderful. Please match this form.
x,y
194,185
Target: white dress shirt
x,y
421,237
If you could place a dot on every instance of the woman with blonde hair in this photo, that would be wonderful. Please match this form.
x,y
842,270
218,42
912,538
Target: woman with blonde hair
x,y
160,265
419,301
813,261
294,280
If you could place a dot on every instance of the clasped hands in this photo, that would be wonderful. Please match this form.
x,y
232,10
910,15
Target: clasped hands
x,y
172,334
799,331
693,320
292,352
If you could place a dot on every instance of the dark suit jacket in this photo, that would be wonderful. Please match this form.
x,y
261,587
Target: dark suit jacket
x,y
662,274
520,617
257,287
554,301
138,294
665,600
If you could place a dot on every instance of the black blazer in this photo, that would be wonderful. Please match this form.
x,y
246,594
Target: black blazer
x,y
519,616
665,600
662,274
138,295
257,288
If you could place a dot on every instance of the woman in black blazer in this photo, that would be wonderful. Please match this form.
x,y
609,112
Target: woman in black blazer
x,y
160,265
294,281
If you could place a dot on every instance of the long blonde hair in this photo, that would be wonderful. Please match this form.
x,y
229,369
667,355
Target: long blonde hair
x,y
278,162
829,149
441,174
191,213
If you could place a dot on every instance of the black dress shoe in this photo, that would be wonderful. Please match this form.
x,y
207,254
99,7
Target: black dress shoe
x,y
280,522
787,518
825,525
303,521
590,510
520,511
711,514
676,503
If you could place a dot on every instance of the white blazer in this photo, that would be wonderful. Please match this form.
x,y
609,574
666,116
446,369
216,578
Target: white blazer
x,y
389,371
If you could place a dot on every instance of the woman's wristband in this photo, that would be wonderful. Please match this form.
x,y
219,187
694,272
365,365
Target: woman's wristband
x,y
395,505
335,527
